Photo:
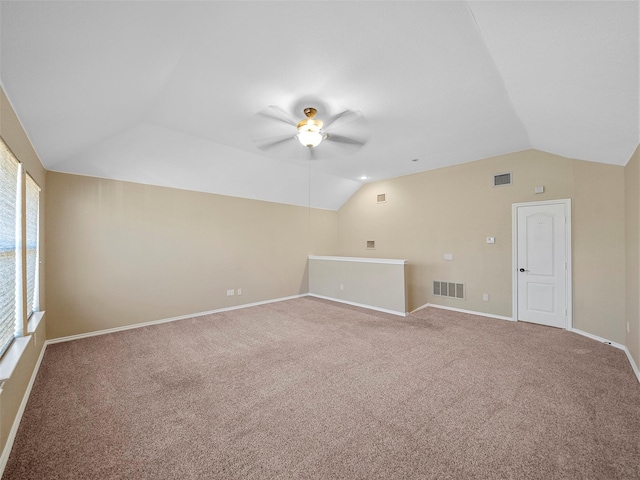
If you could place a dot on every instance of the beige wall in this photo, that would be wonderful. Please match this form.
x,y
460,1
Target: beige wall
x,y
454,209
598,249
13,390
632,202
123,253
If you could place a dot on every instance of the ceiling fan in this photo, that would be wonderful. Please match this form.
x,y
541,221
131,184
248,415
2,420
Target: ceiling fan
x,y
310,132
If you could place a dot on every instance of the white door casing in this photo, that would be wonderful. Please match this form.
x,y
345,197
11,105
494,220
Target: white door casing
x,y
542,263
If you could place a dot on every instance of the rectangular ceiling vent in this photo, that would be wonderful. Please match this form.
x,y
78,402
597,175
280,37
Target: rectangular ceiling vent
x,y
502,179
371,244
448,289
381,198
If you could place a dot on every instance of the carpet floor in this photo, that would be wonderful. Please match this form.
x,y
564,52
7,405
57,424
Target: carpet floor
x,y
310,389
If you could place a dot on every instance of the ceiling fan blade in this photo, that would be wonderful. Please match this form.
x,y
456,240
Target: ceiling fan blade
x,y
342,119
267,143
276,113
347,140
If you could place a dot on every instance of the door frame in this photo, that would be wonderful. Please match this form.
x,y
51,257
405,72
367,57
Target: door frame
x,y
514,261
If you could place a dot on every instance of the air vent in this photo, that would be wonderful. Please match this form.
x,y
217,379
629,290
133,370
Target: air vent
x,y
448,289
381,198
502,179
371,244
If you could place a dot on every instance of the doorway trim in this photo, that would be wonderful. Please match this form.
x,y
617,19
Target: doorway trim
x,y
514,260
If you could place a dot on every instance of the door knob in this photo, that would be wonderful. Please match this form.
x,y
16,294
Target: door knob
x,y
523,270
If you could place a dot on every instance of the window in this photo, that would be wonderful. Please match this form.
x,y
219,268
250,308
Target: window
x,y
32,203
19,210
9,227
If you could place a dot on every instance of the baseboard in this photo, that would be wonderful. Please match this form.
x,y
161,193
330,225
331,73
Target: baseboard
x,y
361,305
419,308
167,320
635,368
470,312
4,458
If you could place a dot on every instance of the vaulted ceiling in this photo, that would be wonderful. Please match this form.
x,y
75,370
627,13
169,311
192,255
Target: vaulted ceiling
x,y
166,93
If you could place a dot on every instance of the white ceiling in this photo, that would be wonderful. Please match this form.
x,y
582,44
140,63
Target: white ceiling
x,y
166,93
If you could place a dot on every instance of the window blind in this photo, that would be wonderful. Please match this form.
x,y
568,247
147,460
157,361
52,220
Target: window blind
x,y
9,230
31,241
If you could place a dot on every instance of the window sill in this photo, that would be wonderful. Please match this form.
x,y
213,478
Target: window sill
x,y
12,357
34,322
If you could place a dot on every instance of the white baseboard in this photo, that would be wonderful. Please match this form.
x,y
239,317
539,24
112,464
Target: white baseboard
x,y
166,320
471,312
613,344
361,305
4,458
635,368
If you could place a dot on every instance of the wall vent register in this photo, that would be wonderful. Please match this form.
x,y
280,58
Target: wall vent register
x,y
381,198
448,289
502,179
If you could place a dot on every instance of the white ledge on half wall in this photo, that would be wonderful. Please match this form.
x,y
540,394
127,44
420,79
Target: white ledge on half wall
x,y
391,261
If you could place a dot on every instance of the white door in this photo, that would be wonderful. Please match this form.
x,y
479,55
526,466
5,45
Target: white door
x,y
541,263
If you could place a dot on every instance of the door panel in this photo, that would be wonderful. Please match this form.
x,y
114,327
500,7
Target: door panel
x,y
541,297
542,264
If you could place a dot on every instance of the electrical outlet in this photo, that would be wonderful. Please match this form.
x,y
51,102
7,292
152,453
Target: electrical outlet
x,y
485,297
230,293
342,286
627,327
239,291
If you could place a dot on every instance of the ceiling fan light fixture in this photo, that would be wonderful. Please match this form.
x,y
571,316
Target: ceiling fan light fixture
x,y
310,130
310,137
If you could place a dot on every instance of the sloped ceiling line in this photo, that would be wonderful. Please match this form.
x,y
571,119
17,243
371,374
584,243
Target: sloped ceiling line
x,y
500,74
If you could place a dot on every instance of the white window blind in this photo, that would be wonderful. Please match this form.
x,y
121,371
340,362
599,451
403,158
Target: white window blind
x,y
9,233
31,242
